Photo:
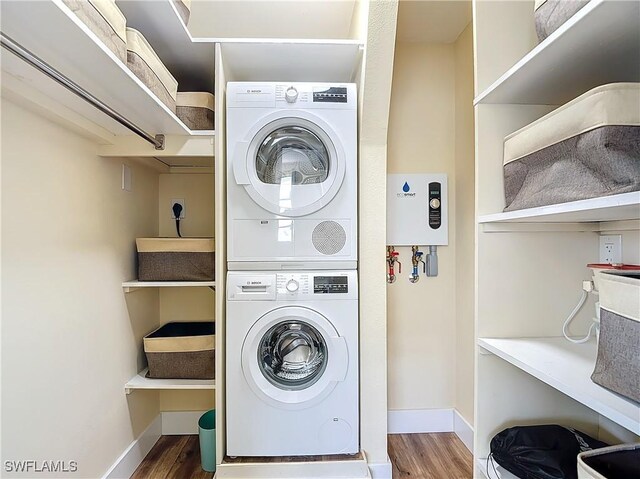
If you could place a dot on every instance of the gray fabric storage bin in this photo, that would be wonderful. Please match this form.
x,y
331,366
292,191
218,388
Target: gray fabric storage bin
x,y
618,362
588,148
104,19
551,14
147,66
614,462
181,350
176,259
195,109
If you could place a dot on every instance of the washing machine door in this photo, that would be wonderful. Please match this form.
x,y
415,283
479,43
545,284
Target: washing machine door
x,y
291,163
293,357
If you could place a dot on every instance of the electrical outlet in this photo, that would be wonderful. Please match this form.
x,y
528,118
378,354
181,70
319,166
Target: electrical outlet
x,y
611,249
183,213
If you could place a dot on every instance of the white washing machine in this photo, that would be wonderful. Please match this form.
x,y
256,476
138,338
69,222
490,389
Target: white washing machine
x,y
291,175
292,363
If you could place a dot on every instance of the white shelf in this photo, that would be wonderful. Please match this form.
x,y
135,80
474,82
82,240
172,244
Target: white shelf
x,y
599,44
625,206
481,465
190,61
566,367
51,31
134,285
139,381
317,61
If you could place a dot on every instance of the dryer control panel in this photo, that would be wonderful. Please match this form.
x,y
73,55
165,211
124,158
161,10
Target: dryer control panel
x,y
293,285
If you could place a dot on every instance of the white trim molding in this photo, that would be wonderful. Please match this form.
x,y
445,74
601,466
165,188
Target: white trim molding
x,y
381,470
130,459
463,430
410,421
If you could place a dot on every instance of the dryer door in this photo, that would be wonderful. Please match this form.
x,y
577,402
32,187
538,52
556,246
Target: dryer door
x,y
290,165
293,357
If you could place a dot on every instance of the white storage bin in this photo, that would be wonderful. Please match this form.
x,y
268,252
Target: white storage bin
x,y
615,462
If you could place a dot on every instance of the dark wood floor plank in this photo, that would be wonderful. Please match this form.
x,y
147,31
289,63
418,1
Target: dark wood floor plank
x,y
413,456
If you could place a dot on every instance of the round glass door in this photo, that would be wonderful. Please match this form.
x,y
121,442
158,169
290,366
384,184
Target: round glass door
x,y
291,166
292,355
292,155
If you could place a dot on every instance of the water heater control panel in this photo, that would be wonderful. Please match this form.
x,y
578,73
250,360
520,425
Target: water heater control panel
x,y
417,210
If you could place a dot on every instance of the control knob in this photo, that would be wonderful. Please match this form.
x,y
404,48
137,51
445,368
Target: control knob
x,y
435,203
291,95
292,286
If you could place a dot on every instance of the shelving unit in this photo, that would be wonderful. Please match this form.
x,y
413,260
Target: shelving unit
x,y
625,206
567,367
51,31
528,276
497,473
130,286
191,61
590,49
140,381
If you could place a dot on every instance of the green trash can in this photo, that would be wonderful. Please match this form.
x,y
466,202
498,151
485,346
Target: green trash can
x,y
207,433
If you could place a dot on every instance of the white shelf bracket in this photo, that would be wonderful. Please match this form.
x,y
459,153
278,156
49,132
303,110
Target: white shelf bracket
x,y
484,352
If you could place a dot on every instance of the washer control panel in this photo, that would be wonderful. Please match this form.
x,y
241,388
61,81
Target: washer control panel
x,y
316,285
330,284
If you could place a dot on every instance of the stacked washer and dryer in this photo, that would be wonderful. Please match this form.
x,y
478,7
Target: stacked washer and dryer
x,y
292,287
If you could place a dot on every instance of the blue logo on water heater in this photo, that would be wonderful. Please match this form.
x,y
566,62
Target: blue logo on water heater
x,y
405,187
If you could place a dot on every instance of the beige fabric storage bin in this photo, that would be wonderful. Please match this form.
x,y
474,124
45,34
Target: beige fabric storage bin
x,y
147,66
588,148
618,362
195,109
175,259
184,9
181,350
614,462
104,19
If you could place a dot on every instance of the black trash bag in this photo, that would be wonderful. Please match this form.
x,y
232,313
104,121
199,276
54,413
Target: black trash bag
x,y
541,452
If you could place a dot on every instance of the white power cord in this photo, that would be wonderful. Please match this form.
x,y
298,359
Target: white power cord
x,y
587,287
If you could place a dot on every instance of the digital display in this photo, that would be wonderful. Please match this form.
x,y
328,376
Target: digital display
x,y
334,94
330,284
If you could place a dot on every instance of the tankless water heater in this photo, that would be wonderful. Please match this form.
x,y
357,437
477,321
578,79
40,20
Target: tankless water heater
x,y
417,210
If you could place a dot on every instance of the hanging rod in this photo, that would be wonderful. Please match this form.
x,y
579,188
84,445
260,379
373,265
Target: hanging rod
x,y
156,140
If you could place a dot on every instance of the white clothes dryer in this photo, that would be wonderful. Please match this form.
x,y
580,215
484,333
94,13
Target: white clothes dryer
x,y
292,363
291,175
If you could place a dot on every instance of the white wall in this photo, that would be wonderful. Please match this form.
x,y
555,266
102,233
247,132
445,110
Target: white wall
x,y
187,304
421,316
465,224
70,337
430,323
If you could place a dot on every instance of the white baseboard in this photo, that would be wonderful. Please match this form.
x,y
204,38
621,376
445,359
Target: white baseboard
x,y
131,458
180,422
381,470
165,424
409,421
463,430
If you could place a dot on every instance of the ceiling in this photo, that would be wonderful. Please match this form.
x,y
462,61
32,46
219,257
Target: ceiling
x,y
430,21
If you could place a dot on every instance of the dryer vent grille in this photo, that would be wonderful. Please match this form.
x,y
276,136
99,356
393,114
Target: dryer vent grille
x,y
329,237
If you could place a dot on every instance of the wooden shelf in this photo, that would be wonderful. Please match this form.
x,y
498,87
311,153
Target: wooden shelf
x,y
625,206
130,286
191,62
595,46
139,381
566,367
51,31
